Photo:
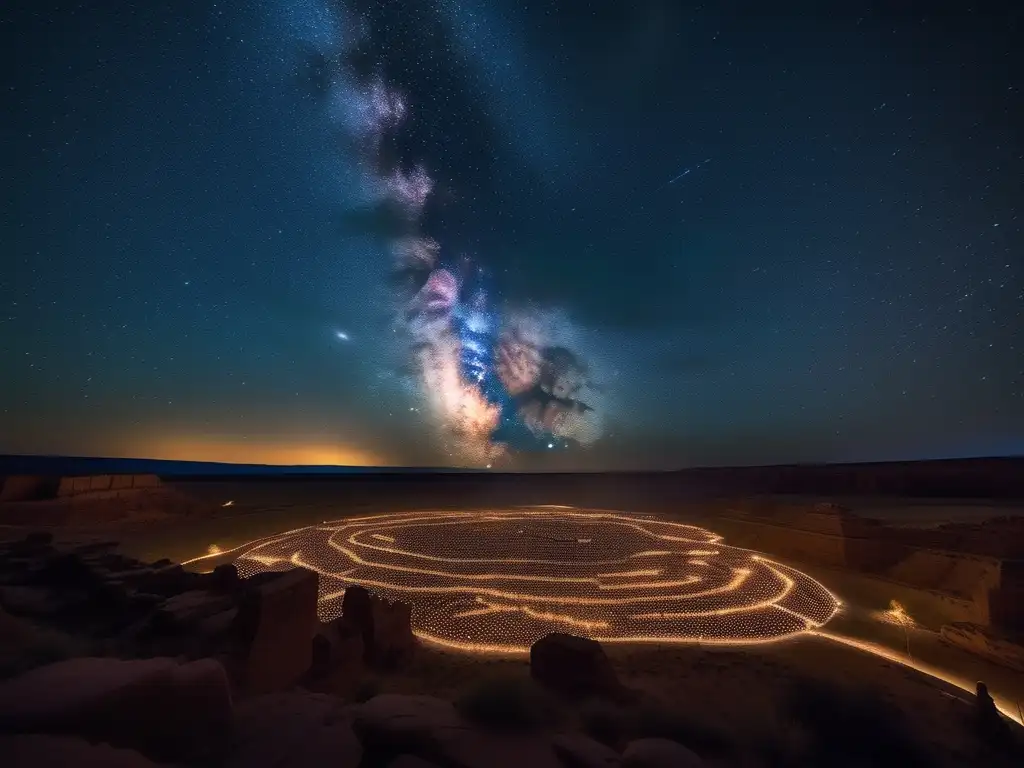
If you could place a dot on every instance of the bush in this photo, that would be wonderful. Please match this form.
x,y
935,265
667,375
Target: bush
x,y
507,703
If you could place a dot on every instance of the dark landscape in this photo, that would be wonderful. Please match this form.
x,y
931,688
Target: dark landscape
x,y
265,667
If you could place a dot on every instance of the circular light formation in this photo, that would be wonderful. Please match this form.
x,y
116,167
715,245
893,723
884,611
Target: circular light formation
x,y
497,580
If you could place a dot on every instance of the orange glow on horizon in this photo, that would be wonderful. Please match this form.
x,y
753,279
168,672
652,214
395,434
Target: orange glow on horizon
x,y
277,451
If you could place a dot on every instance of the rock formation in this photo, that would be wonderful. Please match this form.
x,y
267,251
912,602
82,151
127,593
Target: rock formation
x,y
385,627
575,666
983,642
273,632
44,750
155,706
659,753
89,499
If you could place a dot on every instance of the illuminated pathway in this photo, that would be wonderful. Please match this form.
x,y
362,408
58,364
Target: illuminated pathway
x,y
497,580
1008,707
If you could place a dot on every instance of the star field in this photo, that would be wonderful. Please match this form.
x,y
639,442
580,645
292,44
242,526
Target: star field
x,y
650,234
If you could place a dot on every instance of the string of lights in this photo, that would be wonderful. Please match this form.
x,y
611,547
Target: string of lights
x,y
497,580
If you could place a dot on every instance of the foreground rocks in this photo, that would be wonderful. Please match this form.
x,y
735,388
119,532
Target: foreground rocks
x,y
659,753
294,730
384,627
274,631
155,706
83,598
391,726
574,666
41,750
135,714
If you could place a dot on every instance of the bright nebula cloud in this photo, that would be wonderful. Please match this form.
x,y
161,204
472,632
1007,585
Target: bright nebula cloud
x,y
493,379
497,580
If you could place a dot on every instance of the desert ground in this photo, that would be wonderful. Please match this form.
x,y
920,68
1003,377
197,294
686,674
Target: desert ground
x,y
900,682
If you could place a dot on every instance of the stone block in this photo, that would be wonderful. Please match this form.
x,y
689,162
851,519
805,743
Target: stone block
x,y
573,665
99,483
274,631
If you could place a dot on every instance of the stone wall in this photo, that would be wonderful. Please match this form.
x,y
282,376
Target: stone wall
x,y
76,486
39,487
90,499
27,487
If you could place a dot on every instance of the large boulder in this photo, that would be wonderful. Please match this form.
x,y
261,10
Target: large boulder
x,y
294,730
35,544
357,610
39,750
273,631
405,723
189,608
576,750
393,639
575,666
385,627
659,753
168,580
156,706
24,645
37,602
392,725
337,644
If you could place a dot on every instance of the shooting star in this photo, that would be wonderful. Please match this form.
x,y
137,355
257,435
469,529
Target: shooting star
x,y
686,172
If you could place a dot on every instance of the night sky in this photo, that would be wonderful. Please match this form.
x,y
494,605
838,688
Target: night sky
x,y
512,233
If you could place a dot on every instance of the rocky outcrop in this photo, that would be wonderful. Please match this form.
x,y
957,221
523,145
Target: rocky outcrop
x,y
155,706
402,724
264,630
90,499
432,729
91,484
294,730
385,627
337,644
421,731
274,630
38,750
981,641
946,575
575,666
578,751
27,487
659,753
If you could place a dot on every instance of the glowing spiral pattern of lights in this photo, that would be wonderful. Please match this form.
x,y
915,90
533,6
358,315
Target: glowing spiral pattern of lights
x,y
497,580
